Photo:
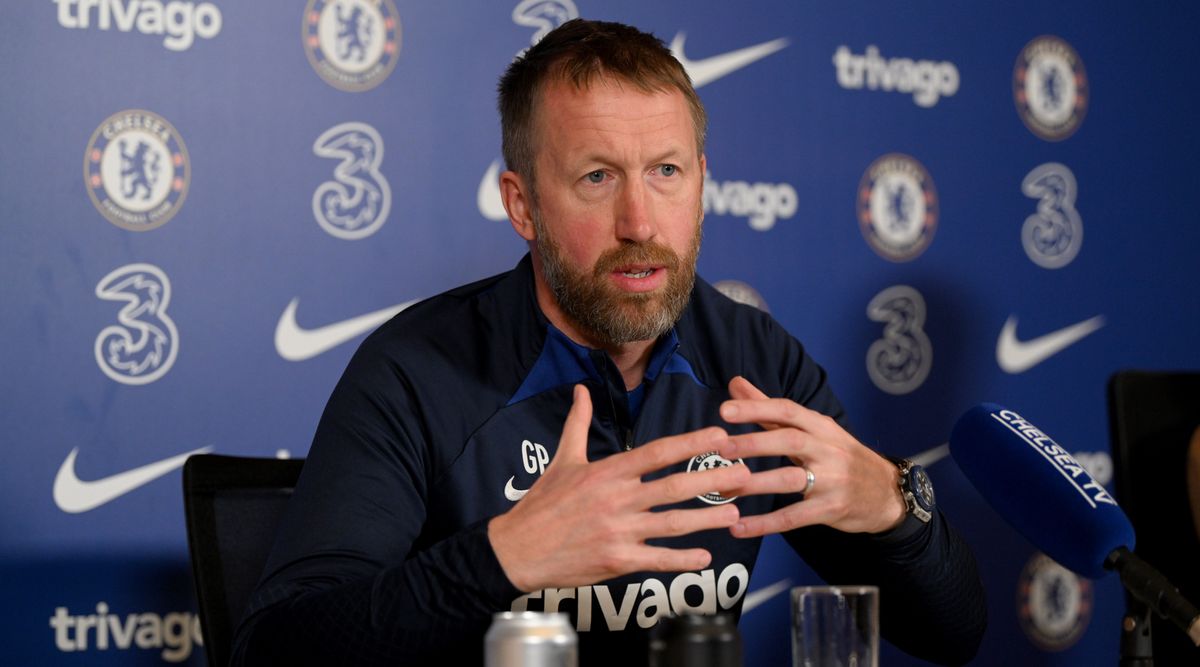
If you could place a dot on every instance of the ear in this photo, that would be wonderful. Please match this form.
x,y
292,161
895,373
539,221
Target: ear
x,y
518,201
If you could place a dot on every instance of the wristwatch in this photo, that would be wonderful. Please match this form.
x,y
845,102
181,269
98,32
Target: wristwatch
x,y
916,489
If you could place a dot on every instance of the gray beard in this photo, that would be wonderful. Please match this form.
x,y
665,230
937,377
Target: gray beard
x,y
605,315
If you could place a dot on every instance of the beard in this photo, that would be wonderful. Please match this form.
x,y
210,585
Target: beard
x,y
606,314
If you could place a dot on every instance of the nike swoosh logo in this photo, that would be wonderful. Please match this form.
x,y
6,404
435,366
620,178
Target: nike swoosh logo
x,y
513,493
931,456
487,198
707,70
1015,356
756,598
297,344
73,495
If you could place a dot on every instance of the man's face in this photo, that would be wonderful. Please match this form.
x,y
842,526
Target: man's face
x,y
617,210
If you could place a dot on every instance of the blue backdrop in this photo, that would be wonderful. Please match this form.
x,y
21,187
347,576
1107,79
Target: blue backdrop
x,y
947,202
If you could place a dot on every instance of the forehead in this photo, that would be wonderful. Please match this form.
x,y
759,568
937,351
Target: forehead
x,y
610,114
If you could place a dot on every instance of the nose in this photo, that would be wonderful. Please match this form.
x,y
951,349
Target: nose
x,y
634,213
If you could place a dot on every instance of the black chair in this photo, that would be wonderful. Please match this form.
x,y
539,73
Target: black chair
x,y
1153,418
233,506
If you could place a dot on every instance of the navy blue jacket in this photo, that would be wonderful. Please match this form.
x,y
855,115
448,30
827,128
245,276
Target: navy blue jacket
x,y
453,407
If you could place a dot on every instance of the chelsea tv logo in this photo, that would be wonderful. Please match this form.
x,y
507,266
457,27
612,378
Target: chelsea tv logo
x,y
352,44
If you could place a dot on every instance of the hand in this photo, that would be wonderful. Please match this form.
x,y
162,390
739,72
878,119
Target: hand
x,y
856,490
585,522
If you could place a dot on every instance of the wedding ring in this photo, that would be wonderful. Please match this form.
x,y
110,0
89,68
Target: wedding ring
x,y
810,483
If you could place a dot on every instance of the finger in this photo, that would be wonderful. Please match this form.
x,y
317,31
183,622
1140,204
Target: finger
x,y
740,387
785,479
777,411
646,558
572,446
673,523
796,515
685,485
789,442
665,452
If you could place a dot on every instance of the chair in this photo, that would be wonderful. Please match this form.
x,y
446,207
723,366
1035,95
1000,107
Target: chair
x,y
232,506
1153,418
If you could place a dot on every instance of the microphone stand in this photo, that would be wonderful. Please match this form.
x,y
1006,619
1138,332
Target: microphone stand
x,y
1137,649
1148,590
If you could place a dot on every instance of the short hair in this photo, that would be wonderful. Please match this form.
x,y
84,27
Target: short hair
x,y
581,51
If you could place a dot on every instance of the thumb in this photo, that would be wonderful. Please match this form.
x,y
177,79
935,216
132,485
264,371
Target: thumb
x,y
572,445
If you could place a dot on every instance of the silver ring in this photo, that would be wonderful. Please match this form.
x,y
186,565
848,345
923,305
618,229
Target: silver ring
x,y
810,483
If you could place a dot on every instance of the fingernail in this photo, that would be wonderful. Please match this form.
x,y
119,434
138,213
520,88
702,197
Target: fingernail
x,y
739,528
729,410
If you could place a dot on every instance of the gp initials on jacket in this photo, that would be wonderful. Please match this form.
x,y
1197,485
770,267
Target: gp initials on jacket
x,y
534,456
700,592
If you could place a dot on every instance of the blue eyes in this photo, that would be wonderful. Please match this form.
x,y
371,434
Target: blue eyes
x,y
598,177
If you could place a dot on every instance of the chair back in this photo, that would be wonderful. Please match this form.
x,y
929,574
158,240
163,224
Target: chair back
x,y
232,506
1153,418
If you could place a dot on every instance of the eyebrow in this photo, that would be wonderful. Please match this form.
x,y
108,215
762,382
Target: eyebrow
x,y
673,153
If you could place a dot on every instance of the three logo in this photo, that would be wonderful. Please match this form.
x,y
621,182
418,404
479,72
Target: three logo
x,y
900,361
1052,236
356,203
141,347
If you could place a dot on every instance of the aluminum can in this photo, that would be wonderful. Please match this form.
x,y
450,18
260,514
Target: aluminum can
x,y
531,639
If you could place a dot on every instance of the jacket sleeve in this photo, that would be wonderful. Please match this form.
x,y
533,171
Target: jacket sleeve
x,y
354,577
932,603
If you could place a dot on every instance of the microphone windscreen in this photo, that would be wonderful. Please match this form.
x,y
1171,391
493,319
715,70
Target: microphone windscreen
x,y
1040,489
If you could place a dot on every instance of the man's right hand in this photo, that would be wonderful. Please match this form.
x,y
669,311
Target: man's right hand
x,y
584,522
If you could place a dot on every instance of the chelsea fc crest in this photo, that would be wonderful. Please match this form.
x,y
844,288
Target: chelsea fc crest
x,y
1054,605
897,207
136,170
712,461
352,44
1050,88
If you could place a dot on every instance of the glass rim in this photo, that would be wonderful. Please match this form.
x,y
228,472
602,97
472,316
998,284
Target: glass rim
x,y
855,589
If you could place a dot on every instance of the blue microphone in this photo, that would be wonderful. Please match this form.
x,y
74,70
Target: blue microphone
x,y
1047,496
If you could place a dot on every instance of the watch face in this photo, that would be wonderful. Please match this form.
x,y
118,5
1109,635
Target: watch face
x,y
922,488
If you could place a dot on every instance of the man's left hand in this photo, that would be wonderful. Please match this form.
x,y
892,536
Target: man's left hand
x,y
855,490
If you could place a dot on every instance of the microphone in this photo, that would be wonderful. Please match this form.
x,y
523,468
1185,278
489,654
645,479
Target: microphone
x,y
1047,496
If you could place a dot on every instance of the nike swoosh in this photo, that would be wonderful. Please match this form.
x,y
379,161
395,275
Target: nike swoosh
x,y
931,456
296,344
513,493
488,196
707,70
1015,356
756,598
73,495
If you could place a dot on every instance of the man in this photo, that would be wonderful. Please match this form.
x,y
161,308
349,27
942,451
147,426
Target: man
x,y
427,504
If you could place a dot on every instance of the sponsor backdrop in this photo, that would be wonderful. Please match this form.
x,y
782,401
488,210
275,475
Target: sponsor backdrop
x,y
206,204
